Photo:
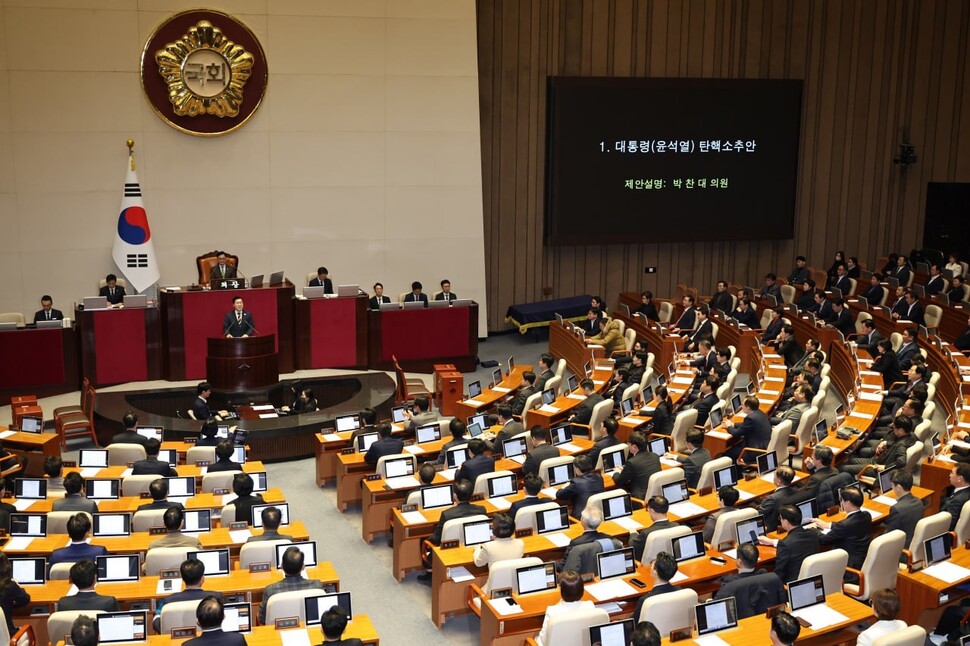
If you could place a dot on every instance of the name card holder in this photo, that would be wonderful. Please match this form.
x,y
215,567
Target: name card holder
x,y
287,622
448,545
260,567
183,633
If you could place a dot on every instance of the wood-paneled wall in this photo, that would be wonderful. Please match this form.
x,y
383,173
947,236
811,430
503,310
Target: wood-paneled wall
x,y
876,72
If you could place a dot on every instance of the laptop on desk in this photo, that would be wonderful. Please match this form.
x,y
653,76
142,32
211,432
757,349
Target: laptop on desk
x,y
136,300
95,302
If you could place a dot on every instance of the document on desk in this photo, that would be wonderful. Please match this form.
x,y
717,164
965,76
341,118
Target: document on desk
x,y
686,509
627,523
402,482
721,435
778,379
473,402
331,437
23,505
865,416
872,387
870,373
630,419
686,381
448,474
414,517
504,608
875,513
548,408
886,500
6,434
294,637
559,539
669,462
414,449
90,472
870,397
578,396
18,544
570,447
611,589
678,577
268,415
264,407
499,389
947,572
745,495
820,616
500,503
550,492
460,573
710,640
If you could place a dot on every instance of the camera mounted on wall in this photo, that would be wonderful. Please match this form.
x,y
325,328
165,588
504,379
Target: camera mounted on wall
x,y
907,155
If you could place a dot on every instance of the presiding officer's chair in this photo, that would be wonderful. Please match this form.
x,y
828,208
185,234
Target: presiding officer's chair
x,y
208,260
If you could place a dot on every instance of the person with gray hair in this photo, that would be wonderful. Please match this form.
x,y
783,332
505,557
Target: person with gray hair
x,y
590,519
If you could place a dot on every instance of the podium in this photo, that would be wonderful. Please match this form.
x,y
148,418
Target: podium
x,y
245,363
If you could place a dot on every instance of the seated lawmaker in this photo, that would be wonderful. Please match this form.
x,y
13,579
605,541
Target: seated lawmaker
x,y
754,589
415,295
722,299
478,464
963,341
11,594
463,509
224,451
503,546
334,623
210,428
74,499
609,337
222,269
193,578
322,280
242,486
754,431
875,293
238,322
801,272
158,489
47,311
935,283
84,631
446,294
272,517
584,484
745,314
84,576
172,519
210,614
151,465
647,308
378,297
79,531
806,296
114,292
385,445
662,570
771,287
292,565
130,434
200,407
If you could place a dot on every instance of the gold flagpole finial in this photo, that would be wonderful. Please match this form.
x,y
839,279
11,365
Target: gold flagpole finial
x,y
131,155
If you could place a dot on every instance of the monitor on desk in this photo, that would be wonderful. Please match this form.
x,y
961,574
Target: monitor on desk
x,y
118,567
648,394
474,430
195,521
511,364
181,486
257,516
397,415
612,460
617,633
389,306
412,305
726,477
259,481
806,592
135,301
660,445
749,530
121,627
112,524
619,506
216,562
171,456
476,532
515,447
715,417
937,548
767,462
238,617
436,496
481,419
552,520
675,491
821,431
238,454
309,549
497,377
257,281
48,325
345,291
561,435
108,489
456,456
398,467
364,440
30,488
626,406
347,423
314,292
427,433
92,459
587,369
8,325
535,578
29,571
689,547
474,389
560,474
615,563
502,486
32,525
548,396
886,480
808,509
222,431
314,607
276,278
95,302
30,424
572,383
716,615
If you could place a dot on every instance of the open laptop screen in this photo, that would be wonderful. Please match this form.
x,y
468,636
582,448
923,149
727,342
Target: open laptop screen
x,y
33,525
808,509
767,462
618,633
474,389
437,496
197,520
238,617
181,487
615,563
30,488
561,473
716,615
364,440
675,491
102,489
689,547
216,562
31,424
514,447
456,456
552,520
561,435
118,567
428,433
617,506
749,530
347,423
397,414
397,467
476,532
726,477
171,456
121,627
92,459
937,548
316,606
886,480
502,486
612,460
29,571
806,592
535,578
114,524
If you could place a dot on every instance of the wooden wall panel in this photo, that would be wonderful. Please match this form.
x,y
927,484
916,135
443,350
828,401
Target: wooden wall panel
x,y
874,73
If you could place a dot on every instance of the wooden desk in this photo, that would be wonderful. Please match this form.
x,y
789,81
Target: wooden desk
x,y
38,362
564,404
664,347
352,469
120,345
331,333
492,396
184,470
922,591
564,344
35,447
131,503
754,630
328,446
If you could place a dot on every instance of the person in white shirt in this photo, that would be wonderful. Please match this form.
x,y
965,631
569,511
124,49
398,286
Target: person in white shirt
x,y
571,588
885,603
503,546
953,264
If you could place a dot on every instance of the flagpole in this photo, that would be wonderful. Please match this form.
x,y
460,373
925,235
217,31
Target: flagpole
x,y
131,153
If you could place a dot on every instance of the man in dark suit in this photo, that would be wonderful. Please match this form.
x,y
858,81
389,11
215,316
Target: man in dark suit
x,y
706,399
272,517
478,464
909,349
532,485
210,615
901,271
876,292
200,407
870,337
79,530
801,273
222,270
754,590
224,451
908,509
770,287
208,433
706,358
446,294
774,326
462,509
584,484
889,453
638,469
193,578
457,429
114,292
841,281
47,311
913,311
242,486
84,575
415,295
704,330
664,568
238,323
657,507
151,465
591,326
607,441
936,283
526,390
687,317
334,623
322,280
963,341
788,346
159,492
130,434
819,464
722,299
375,301
782,495
797,543
697,456
510,427
957,493
754,431
745,314
853,533
385,445
584,412
727,500
546,363
74,499
843,318
541,450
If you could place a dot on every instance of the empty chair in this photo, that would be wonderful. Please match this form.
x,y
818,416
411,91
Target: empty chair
x,y
550,463
178,614
908,636
788,294
926,528
525,518
933,315
572,629
831,565
259,552
228,515
121,455
217,480
661,541
880,568
724,527
658,480
288,604
818,401
144,520
683,422
165,558
133,486
666,312
13,317
777,444
553,384
803,434
669,611
57,520
59,623
200,454
962,528
630,392
560,368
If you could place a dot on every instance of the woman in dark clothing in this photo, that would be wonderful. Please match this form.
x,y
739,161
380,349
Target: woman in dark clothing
x,y
886,364
663,415
12,596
